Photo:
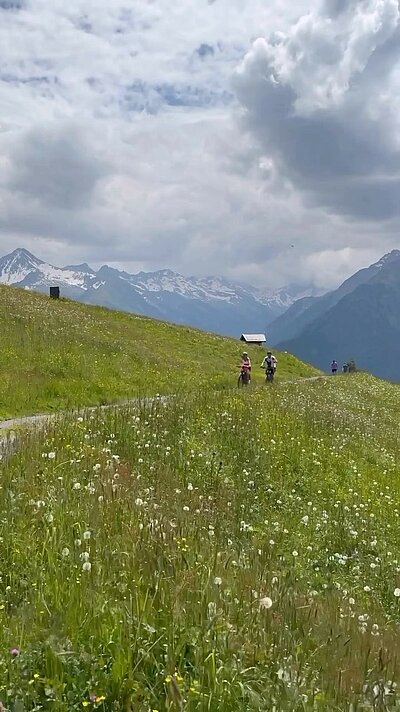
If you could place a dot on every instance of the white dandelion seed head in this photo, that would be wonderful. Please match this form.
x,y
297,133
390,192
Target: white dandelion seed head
x,y
266,602
87,566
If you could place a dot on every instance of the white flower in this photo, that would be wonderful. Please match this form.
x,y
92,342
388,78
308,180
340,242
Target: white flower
x,y
65,552
87,566
265,602
367,589
50,518
80,420
352,601
190,487
212,609
77,542
218,581
87,535
139,502
77,486
186,509
100,499
295,553
397,592
97,467
51,455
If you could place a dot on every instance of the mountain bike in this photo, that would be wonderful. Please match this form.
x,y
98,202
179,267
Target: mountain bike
x,y
244,377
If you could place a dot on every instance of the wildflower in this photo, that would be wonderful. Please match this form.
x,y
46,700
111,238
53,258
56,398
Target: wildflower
x,y
295,553
212,609
87,535
97,467
77,486
186,509
65,552
367,589
85,556
139,502
14,652
77,542
87,566
190,487
218,581
397,592
51,455
50,518
351,601
266,602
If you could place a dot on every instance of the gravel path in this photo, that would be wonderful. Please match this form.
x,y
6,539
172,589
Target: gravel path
x,y
13,424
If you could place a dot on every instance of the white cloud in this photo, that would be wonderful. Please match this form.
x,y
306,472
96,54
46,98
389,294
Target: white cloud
x,y
323,102
119,138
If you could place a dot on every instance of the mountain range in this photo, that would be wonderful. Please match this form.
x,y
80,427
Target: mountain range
x,y
210,303
360,320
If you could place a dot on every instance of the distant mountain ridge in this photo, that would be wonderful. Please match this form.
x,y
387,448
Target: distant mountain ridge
x,y
210,303
359,320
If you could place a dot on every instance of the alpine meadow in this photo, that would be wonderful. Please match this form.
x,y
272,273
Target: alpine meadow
x,y
222,549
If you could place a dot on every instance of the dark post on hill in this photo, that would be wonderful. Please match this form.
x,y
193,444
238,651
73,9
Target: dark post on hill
x,y
55,292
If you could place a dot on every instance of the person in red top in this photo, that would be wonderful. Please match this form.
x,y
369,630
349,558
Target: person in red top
x,y
246,363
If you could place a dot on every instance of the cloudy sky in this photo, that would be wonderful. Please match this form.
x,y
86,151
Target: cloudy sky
x,y
258,140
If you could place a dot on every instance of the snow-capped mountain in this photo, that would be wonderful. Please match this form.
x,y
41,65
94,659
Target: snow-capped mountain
x,y
211,303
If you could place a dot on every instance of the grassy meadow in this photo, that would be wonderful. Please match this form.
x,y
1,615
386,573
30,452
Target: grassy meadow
x,y
61,354
219,551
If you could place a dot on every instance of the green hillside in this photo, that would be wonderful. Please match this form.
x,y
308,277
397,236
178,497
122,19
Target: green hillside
x,y
226,551
55,355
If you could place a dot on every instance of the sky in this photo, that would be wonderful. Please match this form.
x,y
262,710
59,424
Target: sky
x,y
250,139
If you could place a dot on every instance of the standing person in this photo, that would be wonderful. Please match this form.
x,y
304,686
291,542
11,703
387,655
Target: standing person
x,y
334,367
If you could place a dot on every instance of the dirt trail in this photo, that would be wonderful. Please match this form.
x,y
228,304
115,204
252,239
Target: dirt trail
x,y
12,424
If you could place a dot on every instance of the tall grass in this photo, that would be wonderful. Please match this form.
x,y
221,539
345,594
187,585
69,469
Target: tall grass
x,y
226,551
62,354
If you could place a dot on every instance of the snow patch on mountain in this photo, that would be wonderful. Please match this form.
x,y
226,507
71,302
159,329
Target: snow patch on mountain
x,y
212,303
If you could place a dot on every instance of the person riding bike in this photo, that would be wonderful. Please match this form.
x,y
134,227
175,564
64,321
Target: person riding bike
x,y
270,363
246,363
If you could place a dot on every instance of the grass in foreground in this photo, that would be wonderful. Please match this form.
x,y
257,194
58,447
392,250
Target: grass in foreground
x,y
58,355
231,551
